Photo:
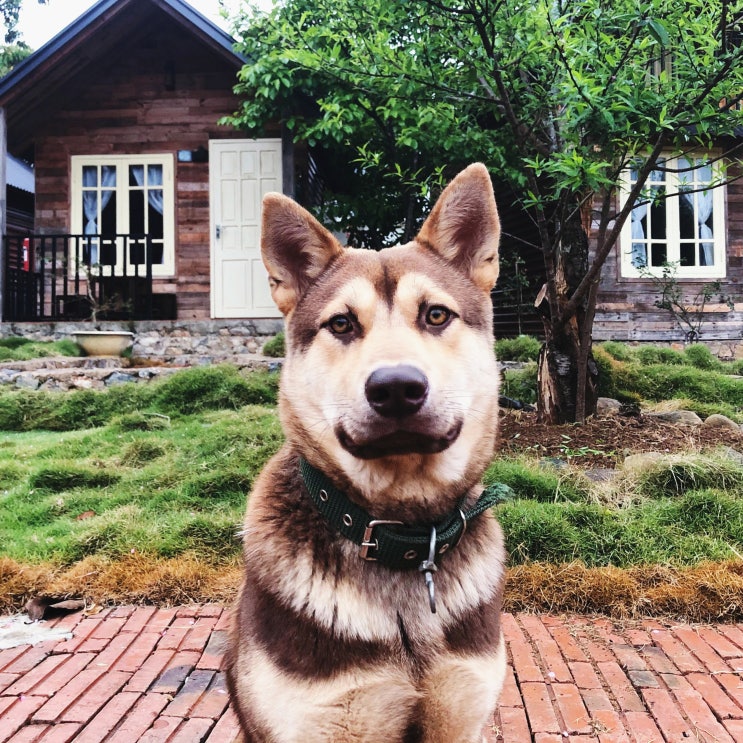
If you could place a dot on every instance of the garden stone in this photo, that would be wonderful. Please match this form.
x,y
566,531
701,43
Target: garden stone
x,y
637,463
678,417
27,382
8,376
720,421
119,378
607,407
732,454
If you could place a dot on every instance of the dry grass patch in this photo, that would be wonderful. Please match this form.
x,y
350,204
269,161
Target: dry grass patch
x,y
703,593
711,591
136,579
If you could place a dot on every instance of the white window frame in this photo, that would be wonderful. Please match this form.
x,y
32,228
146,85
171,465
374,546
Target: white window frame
x,y
122,163
672,181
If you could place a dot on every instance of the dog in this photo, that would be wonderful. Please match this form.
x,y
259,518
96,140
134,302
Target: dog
x,y
369,610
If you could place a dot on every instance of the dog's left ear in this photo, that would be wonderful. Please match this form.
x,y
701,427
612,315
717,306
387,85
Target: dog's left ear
x,y
464,227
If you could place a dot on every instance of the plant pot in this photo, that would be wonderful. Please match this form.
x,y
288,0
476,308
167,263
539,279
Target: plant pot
x,y
104,342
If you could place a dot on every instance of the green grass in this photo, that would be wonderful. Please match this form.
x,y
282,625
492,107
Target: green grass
x,y
17,348
165,468
109,492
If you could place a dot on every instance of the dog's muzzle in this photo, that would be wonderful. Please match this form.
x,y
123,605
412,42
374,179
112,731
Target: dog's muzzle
x,y
397,421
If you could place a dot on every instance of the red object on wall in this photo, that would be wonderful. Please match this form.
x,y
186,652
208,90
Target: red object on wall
x,y
26,254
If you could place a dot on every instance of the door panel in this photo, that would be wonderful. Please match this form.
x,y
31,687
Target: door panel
x,y
240,173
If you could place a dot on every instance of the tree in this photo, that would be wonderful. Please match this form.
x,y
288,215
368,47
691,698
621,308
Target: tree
x,y
15,49
557,97
9,12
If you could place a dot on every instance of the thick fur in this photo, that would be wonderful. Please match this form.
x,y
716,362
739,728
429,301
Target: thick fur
x,y
328,647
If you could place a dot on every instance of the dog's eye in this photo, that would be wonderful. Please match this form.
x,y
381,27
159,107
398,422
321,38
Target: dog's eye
x,y
340,324
438,315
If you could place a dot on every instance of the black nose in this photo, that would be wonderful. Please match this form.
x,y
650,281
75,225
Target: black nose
x,y
396,391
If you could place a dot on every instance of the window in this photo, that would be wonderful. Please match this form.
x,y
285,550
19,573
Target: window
x,y
127,194
681,220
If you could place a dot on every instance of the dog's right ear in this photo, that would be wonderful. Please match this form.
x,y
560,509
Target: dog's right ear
x,y
296,249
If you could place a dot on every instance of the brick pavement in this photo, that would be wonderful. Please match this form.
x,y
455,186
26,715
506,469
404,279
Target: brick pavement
x,y
146,674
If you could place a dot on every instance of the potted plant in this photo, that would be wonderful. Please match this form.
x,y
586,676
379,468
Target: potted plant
x,y
96,342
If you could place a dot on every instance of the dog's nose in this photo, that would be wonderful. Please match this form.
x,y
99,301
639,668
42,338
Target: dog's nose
x,y
396,391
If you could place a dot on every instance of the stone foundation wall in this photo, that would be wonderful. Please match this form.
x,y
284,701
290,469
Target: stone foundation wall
x,y
167,340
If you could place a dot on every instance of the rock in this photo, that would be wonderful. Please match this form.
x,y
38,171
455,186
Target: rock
x,y
678,417
27,382
606,407
119,378
721,421
732,454
636,463
600,474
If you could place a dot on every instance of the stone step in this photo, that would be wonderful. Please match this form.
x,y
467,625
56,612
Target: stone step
x,y
98,372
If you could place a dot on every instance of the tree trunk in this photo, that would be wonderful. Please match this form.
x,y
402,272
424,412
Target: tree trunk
x,y
567,375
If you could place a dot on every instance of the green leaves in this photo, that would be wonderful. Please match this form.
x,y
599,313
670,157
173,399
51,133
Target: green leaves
x,y
558,92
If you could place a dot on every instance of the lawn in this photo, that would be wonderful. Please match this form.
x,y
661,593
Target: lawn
x,y
137,494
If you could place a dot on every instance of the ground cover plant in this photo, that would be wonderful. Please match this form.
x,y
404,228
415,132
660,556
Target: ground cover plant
x,y
137,493
17,348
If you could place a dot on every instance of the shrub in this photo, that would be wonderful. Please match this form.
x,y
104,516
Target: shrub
x,y
276,347
521,348
699,356
16,348
14,341
651,355
214,388
675,475
521,384
534,481
618,351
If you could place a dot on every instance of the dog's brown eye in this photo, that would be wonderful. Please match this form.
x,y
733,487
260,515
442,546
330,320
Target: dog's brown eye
x,y
340,324
437,315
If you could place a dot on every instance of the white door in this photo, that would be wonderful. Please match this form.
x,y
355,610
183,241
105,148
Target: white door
x,y
240,173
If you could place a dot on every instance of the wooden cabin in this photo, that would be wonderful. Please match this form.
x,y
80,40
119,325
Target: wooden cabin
x,y
144,204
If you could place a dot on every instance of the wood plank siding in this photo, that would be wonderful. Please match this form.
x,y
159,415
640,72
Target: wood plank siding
x,y
626,310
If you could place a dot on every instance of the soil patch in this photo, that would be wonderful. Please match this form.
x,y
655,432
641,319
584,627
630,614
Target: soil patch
x,y
605,442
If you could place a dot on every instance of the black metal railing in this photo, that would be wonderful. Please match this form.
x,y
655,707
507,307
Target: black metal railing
x,y
77,277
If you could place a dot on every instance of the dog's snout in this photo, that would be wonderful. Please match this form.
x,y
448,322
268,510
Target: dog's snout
x,y
397,391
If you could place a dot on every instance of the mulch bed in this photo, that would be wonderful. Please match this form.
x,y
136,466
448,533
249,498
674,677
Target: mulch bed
x,y
605,442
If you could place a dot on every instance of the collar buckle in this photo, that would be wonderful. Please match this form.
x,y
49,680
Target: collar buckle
x,y
368,543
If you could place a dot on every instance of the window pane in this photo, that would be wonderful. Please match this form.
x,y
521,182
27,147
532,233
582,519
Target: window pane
x,y
136,211
686,254
136,175
108,212
687,220
657,212
90,212
707,254
90,176
154,220
658,254
154,175
639,255
108,176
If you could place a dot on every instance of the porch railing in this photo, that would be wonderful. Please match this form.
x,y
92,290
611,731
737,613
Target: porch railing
x,y
77,277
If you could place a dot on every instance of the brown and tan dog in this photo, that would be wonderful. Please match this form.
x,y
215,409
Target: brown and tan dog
x,y
369,611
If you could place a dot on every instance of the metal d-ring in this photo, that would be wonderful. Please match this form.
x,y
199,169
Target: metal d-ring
x,y
428,568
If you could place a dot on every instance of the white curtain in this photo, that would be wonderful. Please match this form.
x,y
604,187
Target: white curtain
x,y
154,195
90,197
639,249
702,213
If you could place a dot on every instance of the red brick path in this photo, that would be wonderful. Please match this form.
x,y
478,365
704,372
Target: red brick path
x,y
146,674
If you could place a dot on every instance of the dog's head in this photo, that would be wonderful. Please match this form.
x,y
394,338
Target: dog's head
x,y
390,378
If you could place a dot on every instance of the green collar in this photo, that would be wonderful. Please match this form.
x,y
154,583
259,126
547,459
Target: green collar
x,y
391,543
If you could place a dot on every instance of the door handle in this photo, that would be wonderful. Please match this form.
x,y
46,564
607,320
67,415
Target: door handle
x,y
218,231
